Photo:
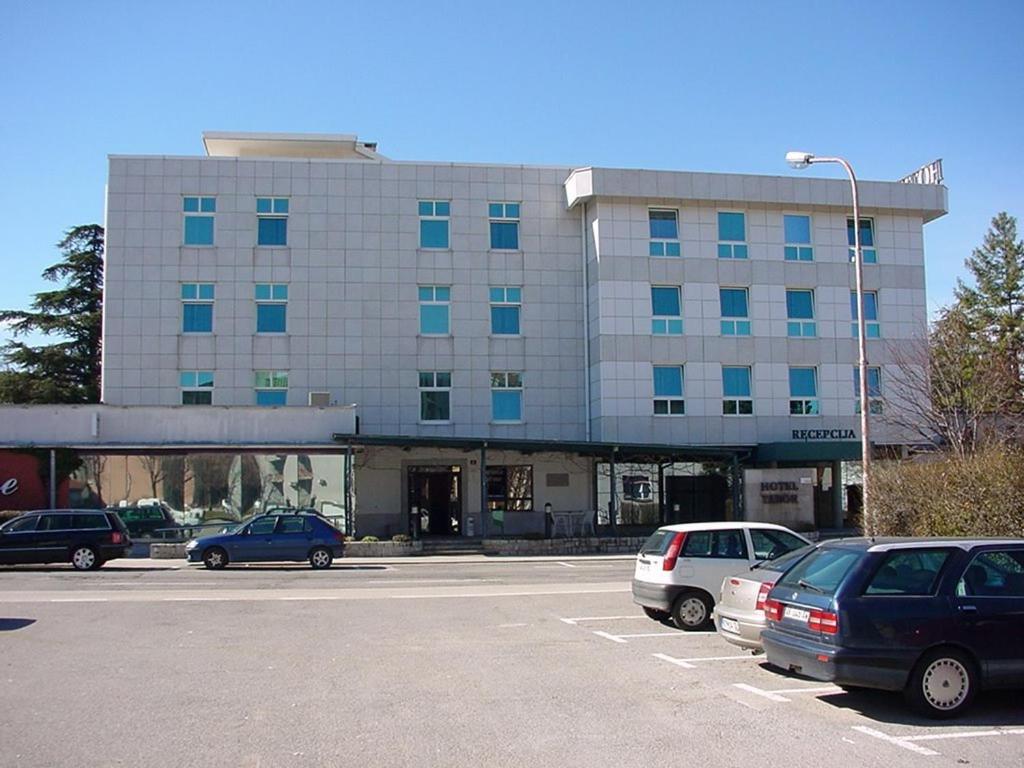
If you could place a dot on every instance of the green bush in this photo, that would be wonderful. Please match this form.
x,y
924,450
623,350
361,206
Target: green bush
x,y
980,495
401,538
369,538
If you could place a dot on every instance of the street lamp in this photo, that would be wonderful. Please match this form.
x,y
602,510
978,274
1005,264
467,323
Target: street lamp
x,y
801,160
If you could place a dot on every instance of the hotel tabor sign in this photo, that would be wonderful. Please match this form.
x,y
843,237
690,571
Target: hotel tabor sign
x,y
824,434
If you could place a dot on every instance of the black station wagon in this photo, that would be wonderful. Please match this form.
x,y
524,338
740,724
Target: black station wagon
x,y
86,538
938,619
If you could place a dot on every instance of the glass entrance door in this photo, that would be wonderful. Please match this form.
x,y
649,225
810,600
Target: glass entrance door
x,y
435,500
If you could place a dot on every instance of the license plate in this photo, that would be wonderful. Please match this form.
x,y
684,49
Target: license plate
x,y
798,614
643,565
730,625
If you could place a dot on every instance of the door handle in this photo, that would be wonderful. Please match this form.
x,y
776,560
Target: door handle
x,y
969,608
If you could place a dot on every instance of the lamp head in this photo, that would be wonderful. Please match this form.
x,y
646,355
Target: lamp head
x,y
799,160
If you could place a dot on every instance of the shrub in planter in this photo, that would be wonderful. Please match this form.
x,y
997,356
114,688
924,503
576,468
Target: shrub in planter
x,y
369,538
401,538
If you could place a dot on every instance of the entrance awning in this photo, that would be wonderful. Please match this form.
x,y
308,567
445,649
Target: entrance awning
x,y
809,451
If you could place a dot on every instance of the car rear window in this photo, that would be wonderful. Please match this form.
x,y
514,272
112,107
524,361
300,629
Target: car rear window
x,y
908,572
727,544
769,544
657,543
822,571
88,521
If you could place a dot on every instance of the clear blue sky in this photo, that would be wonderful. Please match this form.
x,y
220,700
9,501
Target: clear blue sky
x,y
716,86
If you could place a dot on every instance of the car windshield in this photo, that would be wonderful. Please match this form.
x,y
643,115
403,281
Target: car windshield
x,y
822,570
657,543
782,563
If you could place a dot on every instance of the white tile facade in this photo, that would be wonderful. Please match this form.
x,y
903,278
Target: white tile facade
x,y
353,267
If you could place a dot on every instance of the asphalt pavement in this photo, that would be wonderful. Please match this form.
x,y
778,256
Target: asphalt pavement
x,y
462,661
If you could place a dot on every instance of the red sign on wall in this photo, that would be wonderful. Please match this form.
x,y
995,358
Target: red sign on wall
x,y
21,487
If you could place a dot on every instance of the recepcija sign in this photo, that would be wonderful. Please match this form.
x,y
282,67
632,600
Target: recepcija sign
x,y
824,434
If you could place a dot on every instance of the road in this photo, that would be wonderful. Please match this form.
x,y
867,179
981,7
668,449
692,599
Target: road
x,y
421,662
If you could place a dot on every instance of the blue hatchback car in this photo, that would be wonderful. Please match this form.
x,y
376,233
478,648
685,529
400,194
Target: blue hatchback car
x,y
271,538
938,619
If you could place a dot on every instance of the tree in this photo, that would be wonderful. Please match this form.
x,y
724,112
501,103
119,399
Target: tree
x,y
995,306
68,370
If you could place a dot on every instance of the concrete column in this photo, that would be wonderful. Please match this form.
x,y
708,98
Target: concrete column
x,y
484,521
53,479
837,494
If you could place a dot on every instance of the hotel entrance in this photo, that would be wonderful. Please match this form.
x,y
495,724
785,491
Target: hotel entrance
x,y
435,501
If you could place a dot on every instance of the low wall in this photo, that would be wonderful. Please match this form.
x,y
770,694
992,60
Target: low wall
x,y
352,549
584,546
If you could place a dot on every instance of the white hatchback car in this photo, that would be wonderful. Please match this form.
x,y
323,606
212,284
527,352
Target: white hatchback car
x,y
680,568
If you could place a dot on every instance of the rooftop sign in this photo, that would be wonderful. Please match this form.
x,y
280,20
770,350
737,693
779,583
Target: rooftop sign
x,y
931,173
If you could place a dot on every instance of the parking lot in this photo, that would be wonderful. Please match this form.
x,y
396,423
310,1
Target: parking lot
x,y
462,662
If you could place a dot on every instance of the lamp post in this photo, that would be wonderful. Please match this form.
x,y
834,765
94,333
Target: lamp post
x,y
802,160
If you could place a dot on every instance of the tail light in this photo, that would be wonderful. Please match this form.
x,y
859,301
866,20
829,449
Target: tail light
x,y
772,610
762,595
673,552
117,538
825,622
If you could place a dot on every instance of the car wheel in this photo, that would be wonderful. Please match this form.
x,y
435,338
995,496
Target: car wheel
x,y
215,558
943,684
321,558
85,559
692,611
657,615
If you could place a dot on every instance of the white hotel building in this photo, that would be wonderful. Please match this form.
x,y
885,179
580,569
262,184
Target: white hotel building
x,y
658,343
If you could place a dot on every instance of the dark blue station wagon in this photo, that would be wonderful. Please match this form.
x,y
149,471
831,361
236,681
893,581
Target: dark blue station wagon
x,y
271,538
938,619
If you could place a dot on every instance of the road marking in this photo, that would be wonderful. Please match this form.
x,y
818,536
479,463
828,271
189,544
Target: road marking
x,y
627,638
517,594
687,663
966,734
79,600
510,626
567,565
606,636
893,740
766,694
776,694
576,619
197,598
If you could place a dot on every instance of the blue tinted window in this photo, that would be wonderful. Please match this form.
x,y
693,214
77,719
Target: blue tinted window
x,y
198,230
262,291
197,318
190,205
668,381
272,231
188,378
664,301
279,291
205,290
271,397
442,293
731,226
271,318
802,382
507,406
434,319
280,205
797,229
204,378
263,205
736,382
800,305
512,210
874,382
505,235
495,210
733,301
867,233
207,204
442,208
870,305
663,225
505,321
433,233
189,290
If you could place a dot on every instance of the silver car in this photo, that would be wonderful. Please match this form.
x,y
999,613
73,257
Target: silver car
x,y
739,612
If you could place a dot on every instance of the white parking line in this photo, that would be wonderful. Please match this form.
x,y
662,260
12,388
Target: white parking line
x,y
776,694
893,740
613,638
966,734
627,638
574,621
79,600
688,663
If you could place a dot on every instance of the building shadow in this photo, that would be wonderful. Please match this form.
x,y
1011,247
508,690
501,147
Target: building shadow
x,y
9,625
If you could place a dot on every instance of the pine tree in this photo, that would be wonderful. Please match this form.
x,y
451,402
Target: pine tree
x,y
68,370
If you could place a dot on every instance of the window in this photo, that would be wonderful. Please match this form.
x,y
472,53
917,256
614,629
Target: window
x,y
435,305
505,306
797,234
874,389
435,396
196,387
434,217
997,573
199,214
665,307
803,391
510,488
908,572
733,303
871,327
732,235
728,544
262,526
664,227
22,524
272,221
770,544
800,311
197,307
271,387
736,391
507,396
668,390
867,240
504,226
271,308
293,524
